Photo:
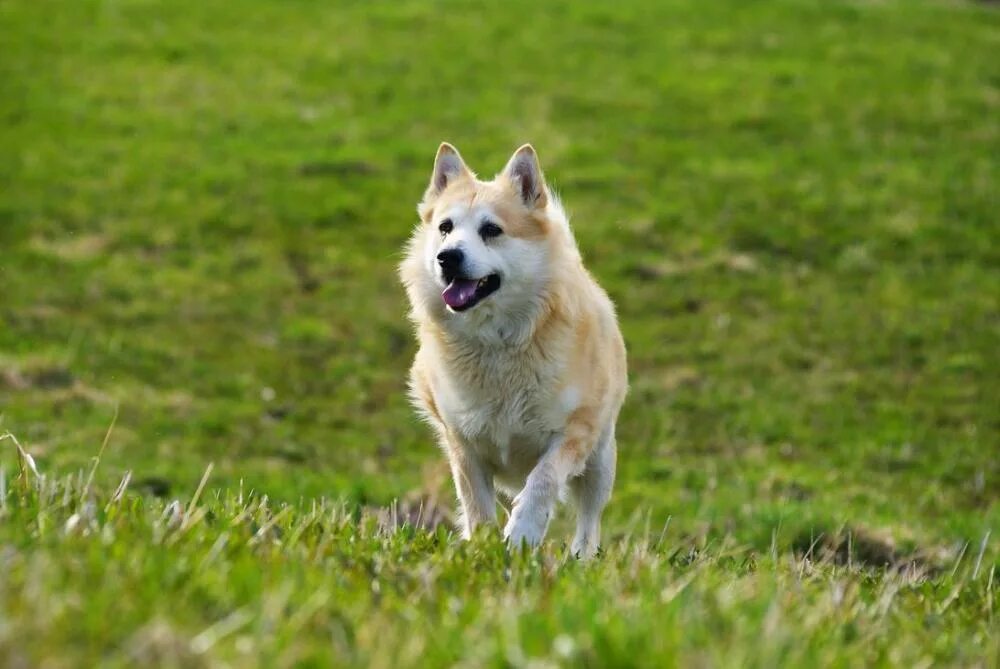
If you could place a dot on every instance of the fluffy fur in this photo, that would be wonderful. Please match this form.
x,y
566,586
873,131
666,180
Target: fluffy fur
x,y
524,387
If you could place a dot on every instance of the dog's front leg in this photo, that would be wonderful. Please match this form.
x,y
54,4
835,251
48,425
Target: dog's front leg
x,y
474,485
565,458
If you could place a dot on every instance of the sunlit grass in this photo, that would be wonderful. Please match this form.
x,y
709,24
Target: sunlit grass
x,y
235,578
202,205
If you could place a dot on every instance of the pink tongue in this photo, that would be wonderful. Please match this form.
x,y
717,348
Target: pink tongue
x,y
459,292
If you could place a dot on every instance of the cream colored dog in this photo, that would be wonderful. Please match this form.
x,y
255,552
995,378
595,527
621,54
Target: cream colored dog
x,y
521,367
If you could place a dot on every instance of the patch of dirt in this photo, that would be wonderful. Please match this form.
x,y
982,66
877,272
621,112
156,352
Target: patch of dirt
x,y
13,379
427,507
424,513
52,377
789,490
741,263
332,168
299,264
675,377
867,547
46,378
72,247
157,486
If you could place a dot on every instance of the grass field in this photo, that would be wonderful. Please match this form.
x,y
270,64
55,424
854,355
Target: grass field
x,y
793,203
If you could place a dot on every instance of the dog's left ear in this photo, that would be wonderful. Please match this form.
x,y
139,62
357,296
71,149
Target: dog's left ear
x,y
525,176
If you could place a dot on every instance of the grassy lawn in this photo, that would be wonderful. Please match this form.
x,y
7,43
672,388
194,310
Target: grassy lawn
x,y
795,205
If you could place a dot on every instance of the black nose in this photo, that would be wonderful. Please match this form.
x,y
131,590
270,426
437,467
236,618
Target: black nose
x,y
450,261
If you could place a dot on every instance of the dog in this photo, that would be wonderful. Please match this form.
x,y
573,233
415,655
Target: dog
x,y
521,367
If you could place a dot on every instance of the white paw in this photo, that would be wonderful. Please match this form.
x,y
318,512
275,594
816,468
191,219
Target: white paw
x,y
526,526
584,548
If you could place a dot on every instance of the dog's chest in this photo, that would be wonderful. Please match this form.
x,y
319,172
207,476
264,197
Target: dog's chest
x,y
501,403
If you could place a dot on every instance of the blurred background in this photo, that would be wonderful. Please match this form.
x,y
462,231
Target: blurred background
x,y
794,205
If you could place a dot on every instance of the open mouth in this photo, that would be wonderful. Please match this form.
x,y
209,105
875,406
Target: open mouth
x,y
462,294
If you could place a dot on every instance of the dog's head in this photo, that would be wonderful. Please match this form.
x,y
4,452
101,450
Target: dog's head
x,y
483,252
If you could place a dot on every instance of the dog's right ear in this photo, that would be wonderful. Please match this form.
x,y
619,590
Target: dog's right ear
x,y
448,166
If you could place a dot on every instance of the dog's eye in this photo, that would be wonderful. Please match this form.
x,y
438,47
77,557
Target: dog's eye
x,y
446,226
490,230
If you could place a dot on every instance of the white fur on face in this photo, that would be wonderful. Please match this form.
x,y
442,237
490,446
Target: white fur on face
x,y
481,258
521,263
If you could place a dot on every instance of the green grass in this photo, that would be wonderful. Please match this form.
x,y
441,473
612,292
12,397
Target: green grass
x,y
237,579
794,205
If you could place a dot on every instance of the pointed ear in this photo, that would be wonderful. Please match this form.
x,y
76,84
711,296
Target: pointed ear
x,y
525,176
448,166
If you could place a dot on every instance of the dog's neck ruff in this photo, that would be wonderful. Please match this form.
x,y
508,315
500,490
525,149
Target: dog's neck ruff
x,y
489,328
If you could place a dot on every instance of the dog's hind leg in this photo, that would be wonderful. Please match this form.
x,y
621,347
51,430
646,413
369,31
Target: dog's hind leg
x,y
591,492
